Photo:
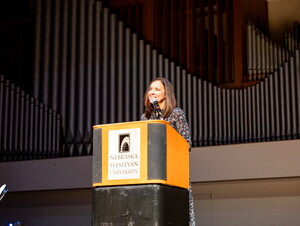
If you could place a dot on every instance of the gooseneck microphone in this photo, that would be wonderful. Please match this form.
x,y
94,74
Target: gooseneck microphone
x,y
157,108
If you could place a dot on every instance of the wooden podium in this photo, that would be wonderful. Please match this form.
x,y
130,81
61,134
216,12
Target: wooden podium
x,y
140,174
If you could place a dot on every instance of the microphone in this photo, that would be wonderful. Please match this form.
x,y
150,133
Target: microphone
x,y
3,191
156,107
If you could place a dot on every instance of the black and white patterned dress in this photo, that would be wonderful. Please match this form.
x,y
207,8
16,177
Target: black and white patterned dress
x,y
178,121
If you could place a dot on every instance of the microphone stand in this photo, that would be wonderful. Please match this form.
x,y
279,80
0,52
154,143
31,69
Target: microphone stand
x,y
157,113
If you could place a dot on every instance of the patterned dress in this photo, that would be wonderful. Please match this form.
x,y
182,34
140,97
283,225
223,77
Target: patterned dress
x,y
178,121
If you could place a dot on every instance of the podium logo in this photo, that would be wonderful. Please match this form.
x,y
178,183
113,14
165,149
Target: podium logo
x,y
124,154
124,143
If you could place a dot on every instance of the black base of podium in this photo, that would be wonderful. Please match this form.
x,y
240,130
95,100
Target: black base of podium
x,y
140,205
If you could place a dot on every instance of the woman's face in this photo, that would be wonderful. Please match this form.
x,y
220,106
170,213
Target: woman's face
x,y
157,90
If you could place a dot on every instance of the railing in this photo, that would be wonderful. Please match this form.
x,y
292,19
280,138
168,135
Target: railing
x,y
28,128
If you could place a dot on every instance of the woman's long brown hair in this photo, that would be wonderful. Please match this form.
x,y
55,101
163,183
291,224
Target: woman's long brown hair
x,y
170,101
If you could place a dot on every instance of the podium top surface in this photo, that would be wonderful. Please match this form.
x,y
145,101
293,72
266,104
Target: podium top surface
x,y
131,123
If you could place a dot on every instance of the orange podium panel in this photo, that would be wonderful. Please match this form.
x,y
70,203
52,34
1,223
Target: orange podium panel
x,y
141,152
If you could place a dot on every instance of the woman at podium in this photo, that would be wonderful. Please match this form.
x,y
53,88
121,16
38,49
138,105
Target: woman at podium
x,y
160,103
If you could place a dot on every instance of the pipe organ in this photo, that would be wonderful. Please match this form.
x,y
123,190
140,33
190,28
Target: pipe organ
x,y
91,69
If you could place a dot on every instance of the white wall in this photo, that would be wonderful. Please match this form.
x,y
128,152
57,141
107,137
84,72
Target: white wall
x,y
278,159
268,202
48,208
263,211
255,184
